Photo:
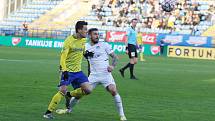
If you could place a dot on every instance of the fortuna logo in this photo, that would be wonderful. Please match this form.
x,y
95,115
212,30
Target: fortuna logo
x,y
196,41
173,39
15,41
155,50
116,36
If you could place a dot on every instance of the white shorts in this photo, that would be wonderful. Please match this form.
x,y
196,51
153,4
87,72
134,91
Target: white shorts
x,y
104,79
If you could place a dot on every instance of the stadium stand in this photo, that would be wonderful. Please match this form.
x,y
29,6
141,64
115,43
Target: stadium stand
x,y
56,17
185,19
64,14
26,15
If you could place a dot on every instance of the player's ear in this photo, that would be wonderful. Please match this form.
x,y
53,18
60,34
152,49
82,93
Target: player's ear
x,y
79,30
88,35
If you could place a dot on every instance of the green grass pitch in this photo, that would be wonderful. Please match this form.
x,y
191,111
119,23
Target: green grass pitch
x,y
168,89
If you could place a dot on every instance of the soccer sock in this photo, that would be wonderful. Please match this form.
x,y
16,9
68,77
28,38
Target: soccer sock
x,y
77,93
119,106
132,70
126,66
55,100
73,102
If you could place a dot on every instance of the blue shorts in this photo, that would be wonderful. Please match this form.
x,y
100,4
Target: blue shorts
x,y
75,79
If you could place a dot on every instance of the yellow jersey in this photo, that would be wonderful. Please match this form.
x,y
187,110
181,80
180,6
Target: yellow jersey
x,y
72,54
139,39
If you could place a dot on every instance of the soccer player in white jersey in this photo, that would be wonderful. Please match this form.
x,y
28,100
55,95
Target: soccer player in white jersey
x,y
97,54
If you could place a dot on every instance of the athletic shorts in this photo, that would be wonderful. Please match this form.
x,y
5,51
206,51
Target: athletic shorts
x,y
75,79
132,51
103,79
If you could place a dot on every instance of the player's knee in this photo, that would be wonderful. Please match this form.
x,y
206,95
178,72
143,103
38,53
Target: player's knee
x,y
63,90
87,91
112,90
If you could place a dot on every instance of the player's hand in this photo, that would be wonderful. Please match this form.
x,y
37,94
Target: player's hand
x,y
60,69
126,51
65,75
88,54
110,68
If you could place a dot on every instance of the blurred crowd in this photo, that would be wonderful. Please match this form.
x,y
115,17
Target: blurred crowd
x,y
150,14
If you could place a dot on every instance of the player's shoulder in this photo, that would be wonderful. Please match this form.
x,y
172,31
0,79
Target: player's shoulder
x,y
129,28
70,38
87,45
103,43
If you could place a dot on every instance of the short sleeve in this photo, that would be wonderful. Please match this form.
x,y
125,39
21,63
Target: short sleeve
x,y
128,32
108,48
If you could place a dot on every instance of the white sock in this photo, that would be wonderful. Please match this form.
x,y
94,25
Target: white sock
x,y
118,103
73,102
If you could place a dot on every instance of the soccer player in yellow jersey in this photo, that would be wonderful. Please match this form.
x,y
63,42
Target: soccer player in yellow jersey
x,y
140,43
70,62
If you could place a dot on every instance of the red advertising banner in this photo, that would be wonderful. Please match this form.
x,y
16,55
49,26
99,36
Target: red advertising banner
x,y
116,37
149,38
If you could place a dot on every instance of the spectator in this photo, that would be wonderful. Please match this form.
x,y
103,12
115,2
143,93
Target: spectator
x,y
25,28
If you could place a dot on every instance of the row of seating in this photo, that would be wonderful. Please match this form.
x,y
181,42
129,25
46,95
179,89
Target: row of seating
x,y
202,2
30,12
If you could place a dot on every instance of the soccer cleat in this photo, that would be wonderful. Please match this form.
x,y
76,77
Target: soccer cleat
x,y
63,111
67,101
133,77
123,118
48,116
122,72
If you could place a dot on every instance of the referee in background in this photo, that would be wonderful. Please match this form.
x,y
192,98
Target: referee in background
x,y
131,49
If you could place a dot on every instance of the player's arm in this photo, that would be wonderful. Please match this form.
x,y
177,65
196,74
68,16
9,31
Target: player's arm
x,y
128,32
114,61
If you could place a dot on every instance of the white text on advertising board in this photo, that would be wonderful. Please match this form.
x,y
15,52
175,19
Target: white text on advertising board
x,y
173,39
191,52
196,41
42,43
38,43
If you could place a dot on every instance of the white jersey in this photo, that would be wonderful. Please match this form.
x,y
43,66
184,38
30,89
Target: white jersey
x,y
100,61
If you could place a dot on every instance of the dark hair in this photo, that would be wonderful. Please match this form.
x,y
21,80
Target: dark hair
x,y
91,30
79,25
134,19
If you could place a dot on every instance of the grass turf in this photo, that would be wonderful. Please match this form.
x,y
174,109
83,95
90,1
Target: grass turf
x,y
168,89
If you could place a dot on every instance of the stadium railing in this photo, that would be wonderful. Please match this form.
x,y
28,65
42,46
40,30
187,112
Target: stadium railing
x,y
34,32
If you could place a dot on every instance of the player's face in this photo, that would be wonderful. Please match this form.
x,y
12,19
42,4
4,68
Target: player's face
x,y
83,31
94,36
134,23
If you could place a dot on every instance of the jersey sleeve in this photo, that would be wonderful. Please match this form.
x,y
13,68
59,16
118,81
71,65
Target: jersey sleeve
x,y
64,53
128,32
108,48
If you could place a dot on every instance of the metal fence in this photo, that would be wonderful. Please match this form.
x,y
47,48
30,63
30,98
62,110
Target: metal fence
x,y
34,32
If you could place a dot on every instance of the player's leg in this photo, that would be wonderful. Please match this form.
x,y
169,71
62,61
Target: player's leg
x,y
74,101
110,85
81,85
133,61
117,99
65,80
128,64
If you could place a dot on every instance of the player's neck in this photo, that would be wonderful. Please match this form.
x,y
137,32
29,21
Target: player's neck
x,y
78,36
133,27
